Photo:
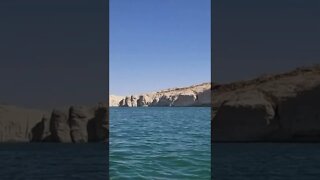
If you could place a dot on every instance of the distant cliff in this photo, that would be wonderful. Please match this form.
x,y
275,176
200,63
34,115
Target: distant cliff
x,y
196,95
73,124
114,100
280,107
283,107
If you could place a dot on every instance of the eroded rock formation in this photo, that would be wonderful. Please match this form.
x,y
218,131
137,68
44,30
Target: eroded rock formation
x,y
74,124
114,100
284,107
17,124
197,95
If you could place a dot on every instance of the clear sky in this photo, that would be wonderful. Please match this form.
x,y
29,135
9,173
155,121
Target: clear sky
x,y
251,37
156,44
53,53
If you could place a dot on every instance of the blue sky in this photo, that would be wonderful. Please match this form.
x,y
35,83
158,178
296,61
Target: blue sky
x,y
53,53
156,44
253,38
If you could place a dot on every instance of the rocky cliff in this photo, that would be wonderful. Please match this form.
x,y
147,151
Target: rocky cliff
x,y
73,124
283,107
114,100
197,95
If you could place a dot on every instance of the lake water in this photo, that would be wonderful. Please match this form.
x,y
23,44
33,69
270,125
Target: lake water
x,y
266,161
54,161
160,143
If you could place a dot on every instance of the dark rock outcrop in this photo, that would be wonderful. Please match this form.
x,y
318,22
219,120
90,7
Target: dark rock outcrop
x,y
79,118
282,107
75,124
98,127
60,126
18,124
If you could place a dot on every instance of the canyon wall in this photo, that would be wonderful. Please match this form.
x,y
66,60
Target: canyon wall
x,y
74,124
283,107
197,95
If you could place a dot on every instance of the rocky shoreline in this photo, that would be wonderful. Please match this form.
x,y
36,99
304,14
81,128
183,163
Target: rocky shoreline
x,y
274,108
283,107
74,124
196,95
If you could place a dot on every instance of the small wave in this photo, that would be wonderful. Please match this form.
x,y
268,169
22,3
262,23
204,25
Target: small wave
x,y
160,143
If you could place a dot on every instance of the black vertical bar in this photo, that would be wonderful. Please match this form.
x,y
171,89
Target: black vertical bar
x,y
211,8
107,85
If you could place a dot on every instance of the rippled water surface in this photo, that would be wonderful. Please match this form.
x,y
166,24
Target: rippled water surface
x,y
54,161
266,161
160,143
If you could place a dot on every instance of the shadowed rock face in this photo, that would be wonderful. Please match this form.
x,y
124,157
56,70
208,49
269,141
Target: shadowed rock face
x,y
16,124
197,95
282,107
79,118
98,127
60,126
75,124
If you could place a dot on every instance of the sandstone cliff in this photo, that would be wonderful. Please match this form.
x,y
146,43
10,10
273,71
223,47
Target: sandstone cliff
x,y
197,95
283,107
73,124
114,100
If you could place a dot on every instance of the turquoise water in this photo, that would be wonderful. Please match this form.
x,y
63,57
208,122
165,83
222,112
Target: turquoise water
x,y
160,143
